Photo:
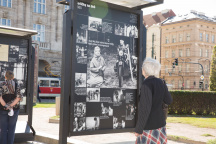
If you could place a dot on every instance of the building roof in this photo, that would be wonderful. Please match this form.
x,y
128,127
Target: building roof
x,y
157,17
192,15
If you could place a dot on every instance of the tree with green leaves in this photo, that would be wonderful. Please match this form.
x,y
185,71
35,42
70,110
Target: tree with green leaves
x,y
213,71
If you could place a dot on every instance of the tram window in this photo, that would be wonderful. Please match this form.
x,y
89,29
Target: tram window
x,y
54,83
44,83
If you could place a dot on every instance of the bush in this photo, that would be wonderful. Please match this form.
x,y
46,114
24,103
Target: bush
x,y
187,102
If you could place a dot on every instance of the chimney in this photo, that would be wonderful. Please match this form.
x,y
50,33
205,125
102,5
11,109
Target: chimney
x,y
154,14
193,11
165,11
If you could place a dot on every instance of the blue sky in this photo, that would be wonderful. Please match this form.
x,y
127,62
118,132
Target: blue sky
x,y
184,6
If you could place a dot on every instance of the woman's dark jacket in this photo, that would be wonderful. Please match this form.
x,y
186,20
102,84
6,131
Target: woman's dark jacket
x,y
150,112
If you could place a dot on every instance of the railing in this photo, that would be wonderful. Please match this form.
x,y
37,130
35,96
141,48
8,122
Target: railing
x,y
44,45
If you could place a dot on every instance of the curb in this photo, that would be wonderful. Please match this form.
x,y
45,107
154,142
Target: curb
x,y
54,120
188,141
51,139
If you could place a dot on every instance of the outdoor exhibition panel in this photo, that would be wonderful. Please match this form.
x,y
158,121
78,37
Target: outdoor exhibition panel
x,y
17,55
14,57
106,55
103,46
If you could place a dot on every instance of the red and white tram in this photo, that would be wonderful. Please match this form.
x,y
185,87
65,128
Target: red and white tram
x,y
49,86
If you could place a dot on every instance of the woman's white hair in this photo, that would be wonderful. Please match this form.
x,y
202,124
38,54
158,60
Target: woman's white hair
x,y
151,67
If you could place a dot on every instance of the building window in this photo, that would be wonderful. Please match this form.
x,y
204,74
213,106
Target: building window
x,y
188,36
187,83
5,22
213,38
188,52
39,6
173,53
180,68
180,53
6,3
167,40
207,51
41,32
67,7
206,68
201,37
207,38
173,83
166,54
166,69
187,68
173,39
180,37
179,84
201,53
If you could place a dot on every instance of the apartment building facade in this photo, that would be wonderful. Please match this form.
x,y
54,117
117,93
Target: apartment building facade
x,y
152,23
45,16
191,39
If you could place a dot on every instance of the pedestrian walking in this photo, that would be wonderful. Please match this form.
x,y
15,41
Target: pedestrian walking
x,y
9,108
151,124
38,97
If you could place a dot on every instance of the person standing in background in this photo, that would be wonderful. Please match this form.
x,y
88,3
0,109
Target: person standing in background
x,y
10,97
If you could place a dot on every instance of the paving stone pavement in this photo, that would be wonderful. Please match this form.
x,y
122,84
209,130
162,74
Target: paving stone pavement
x,y
41,124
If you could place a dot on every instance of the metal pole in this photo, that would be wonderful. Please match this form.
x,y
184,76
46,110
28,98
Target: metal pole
x,y
65,79
201,67
153,45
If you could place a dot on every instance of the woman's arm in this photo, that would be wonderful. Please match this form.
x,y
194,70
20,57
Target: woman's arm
x,y
144,109
18,98
2,101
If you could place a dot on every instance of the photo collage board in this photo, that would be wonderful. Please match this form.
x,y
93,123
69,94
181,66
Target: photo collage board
x,y
14,57
105,70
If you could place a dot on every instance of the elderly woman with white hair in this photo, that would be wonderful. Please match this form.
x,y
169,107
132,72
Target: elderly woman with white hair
x,y
151,124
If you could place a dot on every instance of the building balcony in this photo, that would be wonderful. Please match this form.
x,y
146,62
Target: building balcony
x,y
44,45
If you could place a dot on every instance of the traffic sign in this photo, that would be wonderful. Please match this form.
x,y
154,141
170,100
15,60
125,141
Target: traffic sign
x,y
202,77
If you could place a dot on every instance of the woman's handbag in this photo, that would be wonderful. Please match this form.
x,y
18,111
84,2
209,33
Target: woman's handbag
x,y
165,110
165,106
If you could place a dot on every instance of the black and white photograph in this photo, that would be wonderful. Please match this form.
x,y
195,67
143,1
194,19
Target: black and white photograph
x,y
130,111
81,91
92,123
93,95
118,122
106,110
118,97
13,53
96,67
81,53
107,27
131,31
111,66
82,36
80,109
95,24
79,124
120,29
126,64
80,79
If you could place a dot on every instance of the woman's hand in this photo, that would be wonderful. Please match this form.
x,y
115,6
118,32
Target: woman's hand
x,y
136,134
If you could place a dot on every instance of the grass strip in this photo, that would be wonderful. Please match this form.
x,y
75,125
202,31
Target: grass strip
x,y
203,122
45,105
